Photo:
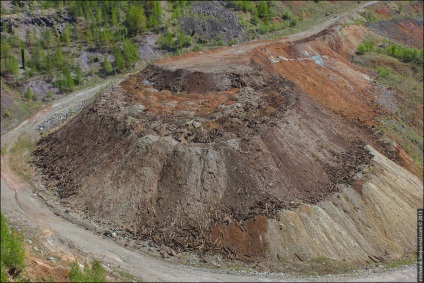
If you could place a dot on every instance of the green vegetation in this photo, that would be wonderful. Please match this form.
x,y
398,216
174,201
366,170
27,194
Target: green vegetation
x,y
400,262
399,70
107,66
93,273
28,94
12,251
136,19
365,46
392,49
383,72
371,17
20,157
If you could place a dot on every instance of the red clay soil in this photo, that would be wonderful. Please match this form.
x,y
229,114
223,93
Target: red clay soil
x,y
197,152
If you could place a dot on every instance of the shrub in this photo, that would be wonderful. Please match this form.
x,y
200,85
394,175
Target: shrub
x,y
93,273
383,72
49,94
166,40
365,46
287,16
294,21
197,47
220,42
403,52
232,41
371,17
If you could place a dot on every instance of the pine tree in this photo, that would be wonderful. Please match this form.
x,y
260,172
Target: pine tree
x,y
78,75
263,8
66,38
156,14
119,61
69,80
28,93
114,17
99,17
130,53
107,66
136,19
34,96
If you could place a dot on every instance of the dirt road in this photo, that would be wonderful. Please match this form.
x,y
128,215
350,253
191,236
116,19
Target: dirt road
x,y
21,205
227,59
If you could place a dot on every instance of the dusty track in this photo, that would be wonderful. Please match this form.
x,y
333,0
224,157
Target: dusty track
x,y
19,204
224,59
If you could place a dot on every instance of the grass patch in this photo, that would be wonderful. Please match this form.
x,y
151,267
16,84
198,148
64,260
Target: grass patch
x,y
324,265
400,262
20,155
126,277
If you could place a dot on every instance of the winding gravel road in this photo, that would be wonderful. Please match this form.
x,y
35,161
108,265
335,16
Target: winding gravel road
x,y
21,205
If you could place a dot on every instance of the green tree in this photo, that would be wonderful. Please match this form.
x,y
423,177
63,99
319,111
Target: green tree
x,y
78,75
30,37
183,40
12,250
263,9
155,15
130,53
114,17
65,37
136,19
28,94
34,96
58,57
99,17
255,16
119,61
166,40
107,66
69,80
38,57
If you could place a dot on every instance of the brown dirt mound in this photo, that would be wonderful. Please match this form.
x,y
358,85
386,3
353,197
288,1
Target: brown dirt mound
x,y
185,155
172,174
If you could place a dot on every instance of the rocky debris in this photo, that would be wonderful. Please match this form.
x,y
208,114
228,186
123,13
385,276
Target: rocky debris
x,y
146,47
395,30
58,118
38,22
209,21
